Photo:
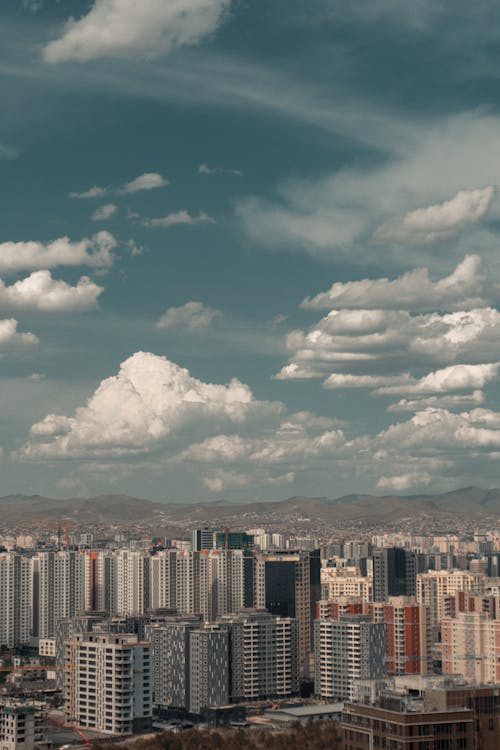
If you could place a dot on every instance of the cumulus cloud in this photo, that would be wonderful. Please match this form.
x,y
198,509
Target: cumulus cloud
x,y
104,212
205,169
146,181
153,410
93,192
446,380
439,429
453,401
449,379
194,316
39,291
10,338
465,287
148,402
390,343
438,222
95,251
125,28
179,217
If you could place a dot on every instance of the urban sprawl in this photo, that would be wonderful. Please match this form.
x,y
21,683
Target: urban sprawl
x,y
106,633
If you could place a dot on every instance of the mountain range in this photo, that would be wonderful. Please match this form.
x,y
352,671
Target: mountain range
x,y
468,502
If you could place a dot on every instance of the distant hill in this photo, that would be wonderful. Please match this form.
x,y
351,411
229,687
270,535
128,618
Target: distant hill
x,y
468,502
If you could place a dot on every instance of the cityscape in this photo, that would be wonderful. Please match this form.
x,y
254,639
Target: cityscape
x,y
111,631
249,375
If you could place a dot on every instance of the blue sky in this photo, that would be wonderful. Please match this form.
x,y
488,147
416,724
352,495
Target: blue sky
x,y
248,250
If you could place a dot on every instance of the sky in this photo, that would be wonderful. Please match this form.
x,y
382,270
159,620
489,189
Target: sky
x,y
249,250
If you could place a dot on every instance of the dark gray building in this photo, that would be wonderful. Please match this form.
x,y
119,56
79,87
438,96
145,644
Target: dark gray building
x,y
170,651
208,668
394,573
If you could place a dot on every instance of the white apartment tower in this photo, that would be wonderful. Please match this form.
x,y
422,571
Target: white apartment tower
x,y
132,581
471,646
348,649
107,682
58,589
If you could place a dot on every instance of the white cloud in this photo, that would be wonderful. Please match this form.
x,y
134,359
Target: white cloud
x,y
150,401
104,212
465,287
446,380
205,169
424,226
36,376
146,181
179,217
449,379
221,480
403,482
454,401
93,192
331,214
125,28
460,434
389,343
10,338
39,291
96,251
193,315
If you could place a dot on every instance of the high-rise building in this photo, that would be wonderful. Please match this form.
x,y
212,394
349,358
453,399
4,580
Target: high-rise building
x,y
435,586
283,587
264,655
208,668
15,602
471,646
394,573
170,655
58,589
348,649
203,539
336,582
233,540
108,682
409,634
132,581
163,579
100,574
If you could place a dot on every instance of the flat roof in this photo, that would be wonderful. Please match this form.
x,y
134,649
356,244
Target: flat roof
x,y
319,709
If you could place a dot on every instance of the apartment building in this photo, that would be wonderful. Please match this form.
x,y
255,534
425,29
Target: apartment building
x,y
264,655
107,682
351,648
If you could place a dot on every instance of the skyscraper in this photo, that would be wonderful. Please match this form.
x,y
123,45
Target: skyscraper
x,y
283,587
394,573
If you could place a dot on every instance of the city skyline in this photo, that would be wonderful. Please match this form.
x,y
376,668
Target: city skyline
x,y
248,251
